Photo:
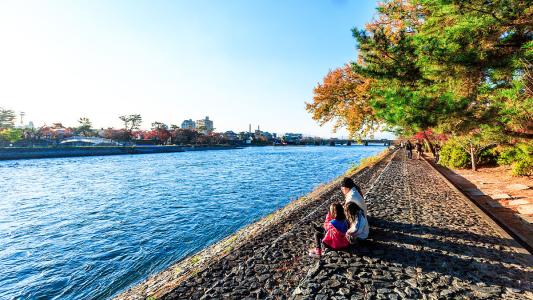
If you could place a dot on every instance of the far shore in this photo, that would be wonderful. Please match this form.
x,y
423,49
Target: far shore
x,y
16,153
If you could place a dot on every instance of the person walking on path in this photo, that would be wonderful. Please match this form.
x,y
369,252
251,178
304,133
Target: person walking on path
x,y
352,193
418,147
333,234
437,150
409,148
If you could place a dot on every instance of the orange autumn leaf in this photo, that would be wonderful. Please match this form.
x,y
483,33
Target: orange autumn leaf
x,y
344,98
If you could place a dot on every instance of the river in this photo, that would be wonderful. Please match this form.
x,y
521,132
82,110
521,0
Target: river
x,y
90,227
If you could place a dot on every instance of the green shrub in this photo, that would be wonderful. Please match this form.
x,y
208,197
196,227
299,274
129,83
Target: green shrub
x,y
507,156
522,168
453,156
519,158
488,157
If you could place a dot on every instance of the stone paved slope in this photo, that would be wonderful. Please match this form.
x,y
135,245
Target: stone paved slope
x,y
426,242
273,263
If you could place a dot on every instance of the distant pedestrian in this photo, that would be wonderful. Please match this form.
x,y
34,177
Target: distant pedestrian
x,y
333,234
352,193
437,150
358,222
418,147
409,148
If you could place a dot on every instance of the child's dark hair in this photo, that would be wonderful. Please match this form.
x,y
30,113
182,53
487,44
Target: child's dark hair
x,y
337,211
347,182
351,210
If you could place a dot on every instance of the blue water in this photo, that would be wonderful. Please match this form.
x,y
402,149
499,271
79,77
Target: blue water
x,y
90,227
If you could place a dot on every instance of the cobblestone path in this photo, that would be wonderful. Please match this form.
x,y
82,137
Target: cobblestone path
x,y
426,242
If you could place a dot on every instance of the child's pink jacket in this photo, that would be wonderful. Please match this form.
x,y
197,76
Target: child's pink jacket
x,y
334,238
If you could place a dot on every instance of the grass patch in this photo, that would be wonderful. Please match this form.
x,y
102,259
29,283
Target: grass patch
x,y
365,162
231,239
195,260
228,249
178,270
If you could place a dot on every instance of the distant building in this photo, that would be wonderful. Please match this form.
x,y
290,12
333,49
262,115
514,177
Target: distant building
x,y
263,136
230,135
292,138
26,126
268,136
205,125
188,124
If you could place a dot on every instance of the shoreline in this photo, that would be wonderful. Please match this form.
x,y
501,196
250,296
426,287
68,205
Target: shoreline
x,y
16,153
60,152
162,284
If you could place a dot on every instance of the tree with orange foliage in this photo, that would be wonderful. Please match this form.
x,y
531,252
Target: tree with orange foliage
x,y
343,98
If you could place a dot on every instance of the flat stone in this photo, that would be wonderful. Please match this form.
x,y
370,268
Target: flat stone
x,y
512,290
409,292
412,282
517,187
333,283
383,291
500,196
344,291
297,291
518,202
446,293
314,269
526,209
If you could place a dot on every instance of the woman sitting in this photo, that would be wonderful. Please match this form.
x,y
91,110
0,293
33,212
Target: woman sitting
x,y
333,234
358,222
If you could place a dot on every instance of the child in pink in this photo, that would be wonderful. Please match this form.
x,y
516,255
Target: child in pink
x,y
333,235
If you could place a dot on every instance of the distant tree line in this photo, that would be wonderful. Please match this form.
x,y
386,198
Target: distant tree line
x,y
159,133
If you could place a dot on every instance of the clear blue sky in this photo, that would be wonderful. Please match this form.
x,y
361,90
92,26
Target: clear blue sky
x,y
237,61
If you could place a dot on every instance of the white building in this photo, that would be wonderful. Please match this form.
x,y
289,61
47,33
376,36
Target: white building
x,y
188,124
205,125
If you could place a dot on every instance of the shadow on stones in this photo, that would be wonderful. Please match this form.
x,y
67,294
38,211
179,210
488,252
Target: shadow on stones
x,y
463,258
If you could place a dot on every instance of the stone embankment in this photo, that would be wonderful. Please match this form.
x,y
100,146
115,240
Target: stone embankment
x,y
427,241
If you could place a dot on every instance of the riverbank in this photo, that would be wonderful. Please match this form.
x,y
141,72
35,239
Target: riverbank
x,y
49,152
427,241
264,242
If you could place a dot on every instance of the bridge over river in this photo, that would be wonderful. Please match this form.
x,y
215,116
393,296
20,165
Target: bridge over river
x,y
384,142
